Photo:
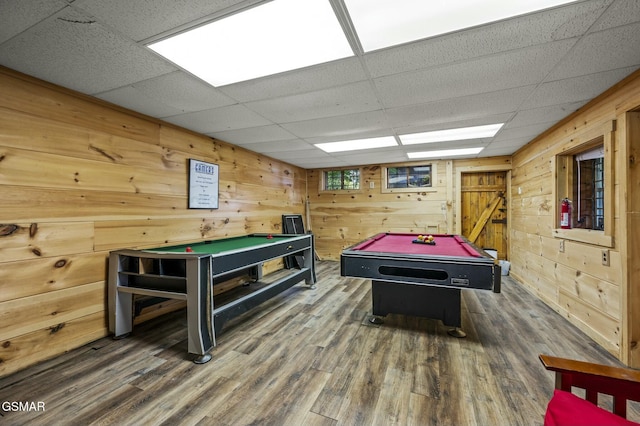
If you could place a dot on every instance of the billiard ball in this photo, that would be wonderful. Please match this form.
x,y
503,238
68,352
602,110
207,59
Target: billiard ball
x,y
188,249
269,237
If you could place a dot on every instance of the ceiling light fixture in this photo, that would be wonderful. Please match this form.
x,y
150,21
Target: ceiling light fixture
x,y
445,153
459,134
357,144
384,23
277,36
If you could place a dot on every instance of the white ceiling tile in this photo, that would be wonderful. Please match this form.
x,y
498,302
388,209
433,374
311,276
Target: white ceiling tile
x,y
316,159
342,126
288,148
287,154
617,46
347,99
309,163
621,12
520,32
513,143
530,131
551,113
24,14
133,99
258,134
72,50
488,74
219,119
318,77
497,152
141,19
355,159
576,89
500,104
183,92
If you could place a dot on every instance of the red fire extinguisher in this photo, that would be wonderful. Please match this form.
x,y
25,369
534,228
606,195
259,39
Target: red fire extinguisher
x,y
565,214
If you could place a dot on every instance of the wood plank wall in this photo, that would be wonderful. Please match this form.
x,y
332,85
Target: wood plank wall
x,y
594,297
340,219
80,178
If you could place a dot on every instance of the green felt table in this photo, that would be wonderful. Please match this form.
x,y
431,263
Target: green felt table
x,y
226,244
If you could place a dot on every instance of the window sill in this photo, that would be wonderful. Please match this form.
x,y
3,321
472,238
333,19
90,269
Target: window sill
x,y
417,190
341,191
588,236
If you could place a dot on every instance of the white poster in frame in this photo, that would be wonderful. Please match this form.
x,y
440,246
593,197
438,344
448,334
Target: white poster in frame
x,y
203,185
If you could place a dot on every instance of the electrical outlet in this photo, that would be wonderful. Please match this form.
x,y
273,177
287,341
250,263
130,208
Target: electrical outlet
x,y
605,257
561,248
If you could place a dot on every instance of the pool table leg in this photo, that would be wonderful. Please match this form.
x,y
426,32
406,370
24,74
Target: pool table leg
x,y
425,301
375,319
456,332
200,329
309,262
120,303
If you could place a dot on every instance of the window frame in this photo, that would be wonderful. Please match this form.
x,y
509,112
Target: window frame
x,y
564,165
323,181
385,173
589,191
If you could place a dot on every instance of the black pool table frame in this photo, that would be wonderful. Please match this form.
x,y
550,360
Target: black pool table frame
x,y
191,277
427,286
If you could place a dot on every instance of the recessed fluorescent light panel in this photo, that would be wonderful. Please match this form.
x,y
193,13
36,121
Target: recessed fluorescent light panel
x,y
358,144
384,23
274,37
459,134
445,153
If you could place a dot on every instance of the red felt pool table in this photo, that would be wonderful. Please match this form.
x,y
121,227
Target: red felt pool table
x,y
418,279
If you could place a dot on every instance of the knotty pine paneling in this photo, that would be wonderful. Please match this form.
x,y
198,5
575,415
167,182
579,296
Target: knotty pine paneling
x,y
44,100
21,241
594,297
22,279
30,314
28,349
80,178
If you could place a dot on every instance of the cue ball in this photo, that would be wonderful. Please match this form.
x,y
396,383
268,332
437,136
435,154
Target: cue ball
x,y
188,249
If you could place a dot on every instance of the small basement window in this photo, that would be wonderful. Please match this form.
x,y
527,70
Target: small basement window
x,y
343,179
585,175
589,189
408,178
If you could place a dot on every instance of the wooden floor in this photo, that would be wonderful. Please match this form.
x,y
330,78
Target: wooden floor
x,y
310,357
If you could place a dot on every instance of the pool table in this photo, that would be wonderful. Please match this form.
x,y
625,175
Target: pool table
x,y
411,277
190,271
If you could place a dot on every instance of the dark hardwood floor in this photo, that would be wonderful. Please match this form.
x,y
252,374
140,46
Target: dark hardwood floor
x,y
310,357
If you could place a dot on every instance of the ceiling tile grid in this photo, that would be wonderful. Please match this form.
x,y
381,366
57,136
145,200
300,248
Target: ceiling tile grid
x,y
528,71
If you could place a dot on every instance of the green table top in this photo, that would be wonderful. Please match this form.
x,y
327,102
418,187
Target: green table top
x,y
225,244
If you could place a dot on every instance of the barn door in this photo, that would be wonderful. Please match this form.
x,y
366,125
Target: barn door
x,y
484,210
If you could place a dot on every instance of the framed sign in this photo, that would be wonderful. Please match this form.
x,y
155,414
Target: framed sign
x,y
203,185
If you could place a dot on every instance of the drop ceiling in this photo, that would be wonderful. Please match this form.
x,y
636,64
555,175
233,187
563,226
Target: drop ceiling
x,y
528,72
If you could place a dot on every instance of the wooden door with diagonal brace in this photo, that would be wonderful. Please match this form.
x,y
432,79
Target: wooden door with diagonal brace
x,y
484,210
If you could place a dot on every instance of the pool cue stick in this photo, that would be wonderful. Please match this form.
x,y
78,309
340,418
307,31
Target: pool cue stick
x,y
307,212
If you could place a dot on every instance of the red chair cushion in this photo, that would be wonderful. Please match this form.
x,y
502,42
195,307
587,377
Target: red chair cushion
x,y
567,409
